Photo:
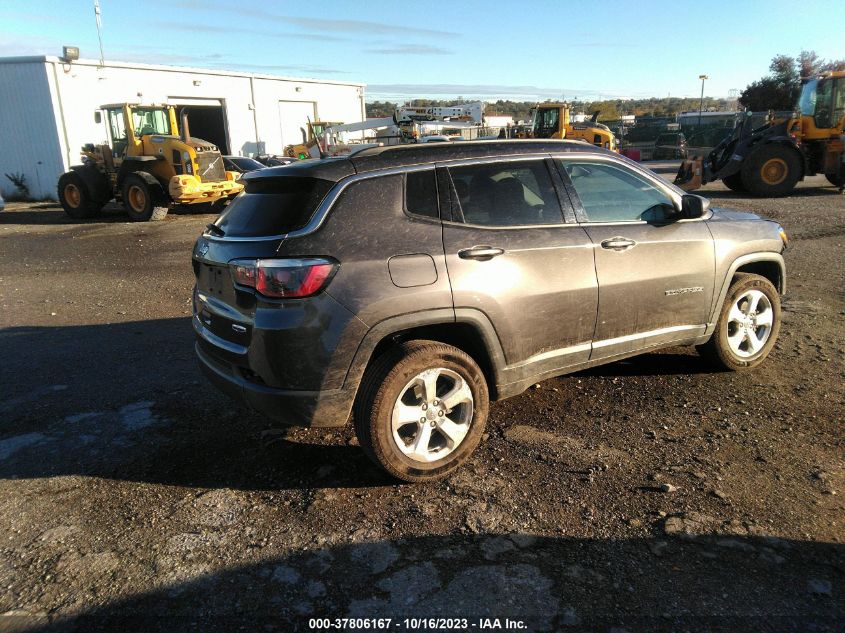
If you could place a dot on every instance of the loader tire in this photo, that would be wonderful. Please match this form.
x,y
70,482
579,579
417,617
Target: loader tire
x,y
836,181
771,171
142,199
75,198
734,183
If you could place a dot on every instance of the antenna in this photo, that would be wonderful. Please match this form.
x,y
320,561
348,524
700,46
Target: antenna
x,y
99,30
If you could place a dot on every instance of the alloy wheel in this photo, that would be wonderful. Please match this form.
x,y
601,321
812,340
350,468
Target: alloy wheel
x,y
749,323
432,415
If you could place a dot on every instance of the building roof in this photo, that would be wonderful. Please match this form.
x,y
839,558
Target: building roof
x,y
42,59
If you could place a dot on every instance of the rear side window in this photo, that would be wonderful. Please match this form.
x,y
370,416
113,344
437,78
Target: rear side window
x,y
516,193
421,193
273,206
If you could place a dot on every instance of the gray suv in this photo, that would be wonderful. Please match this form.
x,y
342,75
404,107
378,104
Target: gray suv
x,y
409,286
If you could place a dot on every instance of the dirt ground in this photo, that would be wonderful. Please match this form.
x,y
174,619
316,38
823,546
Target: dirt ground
x,y
132,494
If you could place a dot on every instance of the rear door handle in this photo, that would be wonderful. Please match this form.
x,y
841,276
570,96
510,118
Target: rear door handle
x,y
482,253
618,243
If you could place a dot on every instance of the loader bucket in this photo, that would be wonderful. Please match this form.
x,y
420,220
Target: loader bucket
x,y
690,172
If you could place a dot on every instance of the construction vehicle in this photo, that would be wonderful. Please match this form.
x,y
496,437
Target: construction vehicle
x,y
309,139
554,120
148,165
382,131
468,112
406,125
770,160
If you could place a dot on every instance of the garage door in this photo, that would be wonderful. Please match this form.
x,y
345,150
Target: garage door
x,y
206,119
293,116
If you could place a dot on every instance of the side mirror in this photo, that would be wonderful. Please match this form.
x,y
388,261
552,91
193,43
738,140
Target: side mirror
x,y
98,117
693,206
661,214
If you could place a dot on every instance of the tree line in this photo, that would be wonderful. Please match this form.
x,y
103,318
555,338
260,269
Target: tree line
x,y
779,90
609,110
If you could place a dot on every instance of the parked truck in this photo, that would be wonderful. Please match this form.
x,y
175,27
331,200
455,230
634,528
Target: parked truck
x,y
148,164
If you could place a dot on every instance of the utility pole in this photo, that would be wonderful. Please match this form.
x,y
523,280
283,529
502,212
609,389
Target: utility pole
x,y
99,31
701,101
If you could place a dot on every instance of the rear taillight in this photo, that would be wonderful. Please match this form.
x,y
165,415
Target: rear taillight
x,y
283,278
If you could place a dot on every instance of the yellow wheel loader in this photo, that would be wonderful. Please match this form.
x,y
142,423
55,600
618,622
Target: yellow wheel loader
x,y
553,120
770,160
147,164
310,141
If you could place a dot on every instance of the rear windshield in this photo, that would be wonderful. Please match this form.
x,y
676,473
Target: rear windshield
x,y
273,206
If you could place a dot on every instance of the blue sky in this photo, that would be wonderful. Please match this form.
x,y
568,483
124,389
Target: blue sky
x,y
488,50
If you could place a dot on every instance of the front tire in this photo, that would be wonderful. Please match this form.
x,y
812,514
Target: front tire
x,y
748,324
75,198
421,410
143,200
771,171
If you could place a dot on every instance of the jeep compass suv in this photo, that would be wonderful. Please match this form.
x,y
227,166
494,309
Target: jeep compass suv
x,y
408,286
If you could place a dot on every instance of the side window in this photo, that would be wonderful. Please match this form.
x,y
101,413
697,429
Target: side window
x,y
824,115
118,131
514,193
839,101
611,193
421,193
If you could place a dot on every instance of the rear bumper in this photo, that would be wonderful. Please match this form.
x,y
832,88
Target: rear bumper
x,y
294,408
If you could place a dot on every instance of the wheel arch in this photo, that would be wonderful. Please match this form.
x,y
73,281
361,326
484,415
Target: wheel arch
x,y
137,166
768,265
468,330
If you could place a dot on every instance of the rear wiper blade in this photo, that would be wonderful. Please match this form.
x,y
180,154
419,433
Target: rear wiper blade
x,y
213,228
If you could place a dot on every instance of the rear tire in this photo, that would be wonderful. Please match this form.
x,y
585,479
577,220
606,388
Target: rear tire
x,y
771,171
400,420
751,300
143,200
75,198
734,183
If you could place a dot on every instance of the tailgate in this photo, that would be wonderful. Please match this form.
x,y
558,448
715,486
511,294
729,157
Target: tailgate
x,y
219,308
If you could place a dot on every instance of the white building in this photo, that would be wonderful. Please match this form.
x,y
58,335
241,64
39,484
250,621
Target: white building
x,y
48,104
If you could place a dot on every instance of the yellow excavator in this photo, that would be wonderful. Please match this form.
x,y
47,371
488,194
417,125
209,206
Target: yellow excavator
x,y
554,120
149,164
769,161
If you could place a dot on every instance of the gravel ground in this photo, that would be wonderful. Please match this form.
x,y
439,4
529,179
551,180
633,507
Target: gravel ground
x,y
651,494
